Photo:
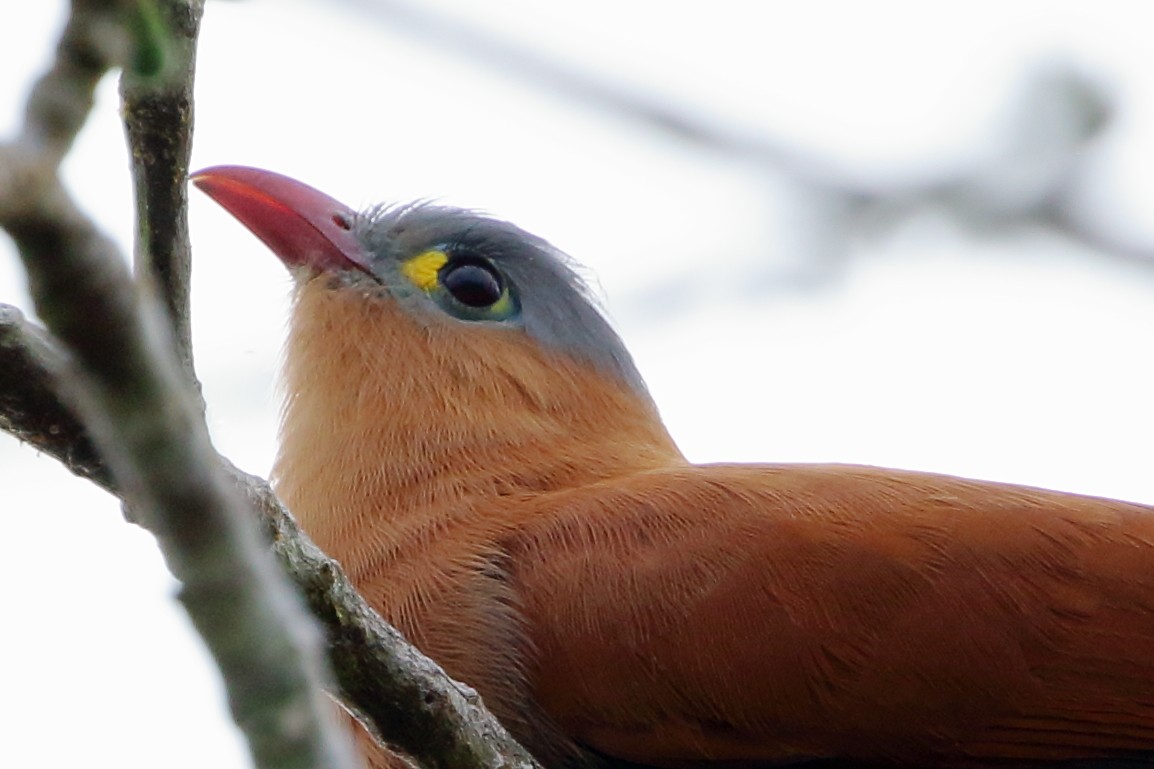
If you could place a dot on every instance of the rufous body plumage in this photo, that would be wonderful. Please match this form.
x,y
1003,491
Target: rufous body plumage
x,y
506,495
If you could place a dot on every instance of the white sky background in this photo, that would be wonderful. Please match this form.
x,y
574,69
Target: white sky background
x,y
1018,358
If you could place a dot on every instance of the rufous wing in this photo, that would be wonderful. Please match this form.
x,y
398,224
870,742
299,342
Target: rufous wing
x,y
771,614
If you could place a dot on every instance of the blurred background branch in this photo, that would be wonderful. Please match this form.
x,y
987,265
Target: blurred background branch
x,y
1027,180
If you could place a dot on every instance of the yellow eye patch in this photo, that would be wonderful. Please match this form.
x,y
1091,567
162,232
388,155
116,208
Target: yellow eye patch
x,y
422,269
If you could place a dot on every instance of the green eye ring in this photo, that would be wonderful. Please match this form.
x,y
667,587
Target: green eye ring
x,y
466,285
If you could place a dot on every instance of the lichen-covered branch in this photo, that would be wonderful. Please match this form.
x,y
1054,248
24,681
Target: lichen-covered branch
x,y
30,404
157,111
127,388
109,379
400,695
120,376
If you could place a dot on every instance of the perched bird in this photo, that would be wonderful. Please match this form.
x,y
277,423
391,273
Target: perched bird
x,y
467,435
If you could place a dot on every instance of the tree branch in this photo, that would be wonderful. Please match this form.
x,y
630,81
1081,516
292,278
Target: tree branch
x,y
92,42
118,383
158,119
124,382
400,695
30,407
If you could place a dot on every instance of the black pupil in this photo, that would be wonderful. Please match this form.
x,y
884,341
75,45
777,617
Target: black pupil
x,y
472,282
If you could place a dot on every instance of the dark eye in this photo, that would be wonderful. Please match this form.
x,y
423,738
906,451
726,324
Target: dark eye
x,y
472,281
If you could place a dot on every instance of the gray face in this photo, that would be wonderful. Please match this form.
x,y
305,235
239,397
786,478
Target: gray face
x,y
480,270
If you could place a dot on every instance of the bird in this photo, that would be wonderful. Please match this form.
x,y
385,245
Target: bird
x,y
466,433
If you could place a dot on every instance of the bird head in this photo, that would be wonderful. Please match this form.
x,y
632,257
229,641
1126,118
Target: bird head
x,y
437,349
